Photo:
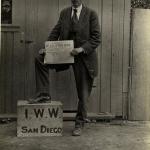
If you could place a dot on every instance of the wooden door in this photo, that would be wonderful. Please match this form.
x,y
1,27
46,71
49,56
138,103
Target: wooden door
x,y
11,69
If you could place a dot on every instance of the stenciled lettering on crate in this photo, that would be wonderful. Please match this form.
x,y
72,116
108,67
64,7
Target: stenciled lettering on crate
x,y
40,119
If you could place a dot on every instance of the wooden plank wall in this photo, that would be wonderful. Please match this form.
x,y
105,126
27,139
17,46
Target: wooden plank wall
x,y
114,56
111,85
112,81
113,53
11,69
140,84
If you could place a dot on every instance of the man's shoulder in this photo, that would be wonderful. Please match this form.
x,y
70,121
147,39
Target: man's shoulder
x,y
67,9
90,10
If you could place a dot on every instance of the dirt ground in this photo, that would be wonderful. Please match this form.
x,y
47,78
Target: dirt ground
x,y
96,136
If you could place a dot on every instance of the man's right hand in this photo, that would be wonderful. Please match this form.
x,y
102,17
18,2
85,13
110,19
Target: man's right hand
x,y
42,51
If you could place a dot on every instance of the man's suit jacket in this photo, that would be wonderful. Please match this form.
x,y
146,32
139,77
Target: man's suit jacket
x,y
88,34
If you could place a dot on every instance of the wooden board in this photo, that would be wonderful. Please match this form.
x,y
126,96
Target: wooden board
x,y
140,88
30,46
106,56
18,78
2,73
117,61
126,55
94,100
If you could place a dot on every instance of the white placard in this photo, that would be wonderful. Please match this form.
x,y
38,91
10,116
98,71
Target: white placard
x,y
58,52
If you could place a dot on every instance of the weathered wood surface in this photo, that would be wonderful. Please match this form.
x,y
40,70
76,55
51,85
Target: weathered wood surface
x,y
11,69
140,79
112,82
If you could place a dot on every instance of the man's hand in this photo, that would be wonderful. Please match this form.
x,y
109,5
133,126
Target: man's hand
x,y
42,51
76,51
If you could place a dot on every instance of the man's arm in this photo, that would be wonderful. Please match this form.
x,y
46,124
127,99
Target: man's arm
x,y
94,39
55,33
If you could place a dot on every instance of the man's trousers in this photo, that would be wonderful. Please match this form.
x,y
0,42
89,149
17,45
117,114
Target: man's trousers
x,y
83,83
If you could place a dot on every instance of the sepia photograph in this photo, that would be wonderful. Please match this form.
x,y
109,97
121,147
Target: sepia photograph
x,y
75,75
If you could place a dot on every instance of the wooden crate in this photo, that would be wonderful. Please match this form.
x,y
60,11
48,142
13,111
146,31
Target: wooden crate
x,y
45,119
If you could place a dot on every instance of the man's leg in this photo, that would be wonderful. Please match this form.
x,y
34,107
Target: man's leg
x,y
42,78
41,75
84,86
42,81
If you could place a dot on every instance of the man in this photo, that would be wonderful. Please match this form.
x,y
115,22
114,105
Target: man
x,y
80,24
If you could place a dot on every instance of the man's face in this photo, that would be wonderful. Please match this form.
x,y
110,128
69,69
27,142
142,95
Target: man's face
x,y
76,3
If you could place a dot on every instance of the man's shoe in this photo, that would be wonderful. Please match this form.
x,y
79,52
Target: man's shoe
x,y
40,98
77,131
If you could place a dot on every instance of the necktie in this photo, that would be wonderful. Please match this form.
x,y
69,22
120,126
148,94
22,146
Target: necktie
x,y
74,17
74,26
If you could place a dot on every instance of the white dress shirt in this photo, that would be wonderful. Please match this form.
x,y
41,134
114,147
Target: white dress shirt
x,y
78,11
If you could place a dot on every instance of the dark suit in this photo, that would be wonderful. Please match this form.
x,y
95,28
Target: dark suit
x,y
87,36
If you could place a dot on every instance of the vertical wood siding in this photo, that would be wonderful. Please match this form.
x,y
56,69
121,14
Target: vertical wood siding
x,y
11,70
112,81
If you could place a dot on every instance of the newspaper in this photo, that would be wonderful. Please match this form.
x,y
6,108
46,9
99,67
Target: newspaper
x,y
58,52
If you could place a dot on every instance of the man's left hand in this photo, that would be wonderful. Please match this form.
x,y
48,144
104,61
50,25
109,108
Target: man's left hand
x,y
76,51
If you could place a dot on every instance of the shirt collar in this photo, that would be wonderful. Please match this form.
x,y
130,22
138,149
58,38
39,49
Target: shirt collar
x,y
78,8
